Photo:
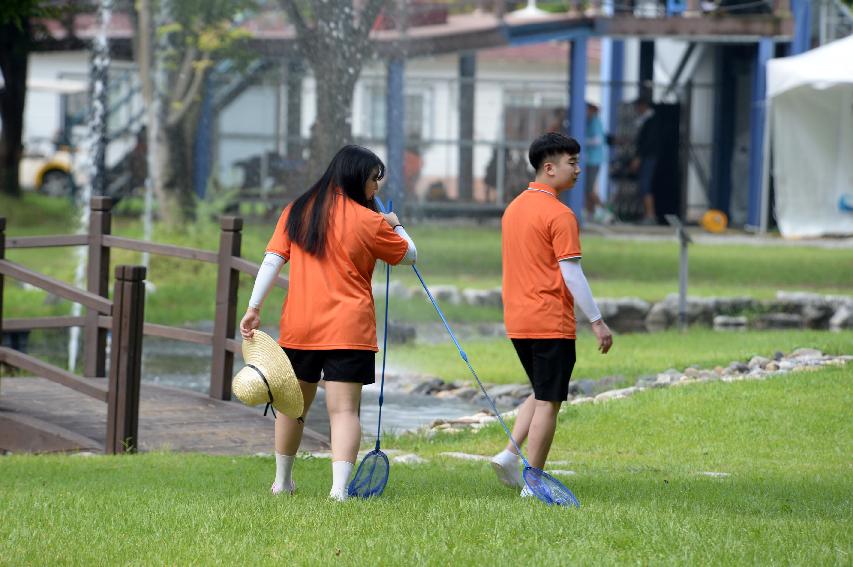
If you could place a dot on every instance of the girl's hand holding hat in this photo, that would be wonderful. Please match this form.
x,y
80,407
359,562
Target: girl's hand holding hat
x,y
250,321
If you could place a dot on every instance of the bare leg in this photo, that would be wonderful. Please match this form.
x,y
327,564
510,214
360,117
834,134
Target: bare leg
x,y
288,431
522,423
649,206
342,401
589,204
542,429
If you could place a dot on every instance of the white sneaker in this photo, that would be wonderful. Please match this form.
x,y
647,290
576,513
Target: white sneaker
x,y
508,471
338,495
277,489
526,492
602,216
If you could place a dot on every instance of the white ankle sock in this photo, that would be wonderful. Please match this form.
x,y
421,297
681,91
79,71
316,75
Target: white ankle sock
x,y
283,470
506,458
341,471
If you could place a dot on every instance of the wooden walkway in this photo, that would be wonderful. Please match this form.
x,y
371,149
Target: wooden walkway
x,y
60,419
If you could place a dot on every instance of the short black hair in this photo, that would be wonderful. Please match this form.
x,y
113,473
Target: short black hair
x,y
550,145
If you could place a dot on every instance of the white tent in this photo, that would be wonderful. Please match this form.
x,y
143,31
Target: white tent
x,y
810,117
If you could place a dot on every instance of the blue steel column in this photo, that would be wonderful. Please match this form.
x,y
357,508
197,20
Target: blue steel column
x,y
801,10
756,131
647,68
577,118
395,131
203,143
467,74
724,127
611,104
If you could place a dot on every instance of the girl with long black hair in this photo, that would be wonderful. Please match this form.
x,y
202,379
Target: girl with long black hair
x,y
332,236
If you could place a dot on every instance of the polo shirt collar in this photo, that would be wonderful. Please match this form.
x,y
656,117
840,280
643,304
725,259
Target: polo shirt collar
x,y
542,187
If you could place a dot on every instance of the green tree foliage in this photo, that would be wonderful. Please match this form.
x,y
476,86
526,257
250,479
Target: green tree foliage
x,y
191,36
15,41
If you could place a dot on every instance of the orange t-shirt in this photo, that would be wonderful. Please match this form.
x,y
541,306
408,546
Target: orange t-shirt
x,y
329,303
537,232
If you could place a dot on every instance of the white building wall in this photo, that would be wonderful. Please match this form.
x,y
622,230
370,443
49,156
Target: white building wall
x,y
42,110
247,127
437,79
701,136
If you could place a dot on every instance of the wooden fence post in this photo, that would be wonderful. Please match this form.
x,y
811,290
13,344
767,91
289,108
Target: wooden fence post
x,y
222,366
95,338
125,360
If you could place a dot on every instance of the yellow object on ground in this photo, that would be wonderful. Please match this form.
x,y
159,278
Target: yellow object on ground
x,y
714,220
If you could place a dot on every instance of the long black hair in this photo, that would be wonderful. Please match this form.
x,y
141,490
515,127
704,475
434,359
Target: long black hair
x,y
350,170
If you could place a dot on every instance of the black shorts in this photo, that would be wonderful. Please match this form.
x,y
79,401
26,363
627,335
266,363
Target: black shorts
x,y
549,364
345,365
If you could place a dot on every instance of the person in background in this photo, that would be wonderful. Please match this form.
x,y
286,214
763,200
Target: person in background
x,y
594,150
645,157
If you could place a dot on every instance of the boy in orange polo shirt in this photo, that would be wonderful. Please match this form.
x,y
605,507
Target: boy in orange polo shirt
x,y
542,281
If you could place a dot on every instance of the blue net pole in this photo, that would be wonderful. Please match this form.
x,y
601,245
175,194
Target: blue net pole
x,y
384,348
462,354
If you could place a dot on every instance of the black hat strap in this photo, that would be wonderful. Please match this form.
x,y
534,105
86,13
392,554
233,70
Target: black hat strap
x,y
269,391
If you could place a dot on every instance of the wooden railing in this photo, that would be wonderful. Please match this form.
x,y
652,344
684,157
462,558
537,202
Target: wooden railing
x,y
101,315
121,392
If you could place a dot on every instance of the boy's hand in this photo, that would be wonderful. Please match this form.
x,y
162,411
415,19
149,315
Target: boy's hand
x,y
251,321
603,334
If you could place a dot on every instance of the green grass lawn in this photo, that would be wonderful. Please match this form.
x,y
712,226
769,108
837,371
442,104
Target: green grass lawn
x,y
785,442
467,256
632,355
470,256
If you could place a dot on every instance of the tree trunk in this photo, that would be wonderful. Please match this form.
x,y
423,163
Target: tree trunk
x,y
14,53
177,170
333,126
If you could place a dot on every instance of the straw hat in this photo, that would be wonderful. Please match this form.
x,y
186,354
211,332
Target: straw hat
x,y
266,361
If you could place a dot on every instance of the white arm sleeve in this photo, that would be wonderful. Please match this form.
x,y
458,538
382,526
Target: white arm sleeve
x,y
412,253
270,268
579,288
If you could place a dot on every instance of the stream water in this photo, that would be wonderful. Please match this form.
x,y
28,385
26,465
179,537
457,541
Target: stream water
x,y
187,366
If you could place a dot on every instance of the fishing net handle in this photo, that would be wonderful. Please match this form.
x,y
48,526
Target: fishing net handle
x,y
384,337
458,347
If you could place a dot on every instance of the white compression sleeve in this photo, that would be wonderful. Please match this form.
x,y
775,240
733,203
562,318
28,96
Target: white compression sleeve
x,y
270,268
412,253
579,288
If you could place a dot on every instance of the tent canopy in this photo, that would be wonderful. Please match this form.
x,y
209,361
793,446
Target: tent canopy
x,y
819,68
810,103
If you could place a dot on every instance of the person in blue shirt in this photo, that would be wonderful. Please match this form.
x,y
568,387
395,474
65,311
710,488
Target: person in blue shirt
x,y
594,150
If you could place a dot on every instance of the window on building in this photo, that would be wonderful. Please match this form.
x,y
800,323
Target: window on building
x,y
527,114
416,124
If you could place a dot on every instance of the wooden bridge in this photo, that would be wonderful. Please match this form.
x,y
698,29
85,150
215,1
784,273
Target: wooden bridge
x,y
113,411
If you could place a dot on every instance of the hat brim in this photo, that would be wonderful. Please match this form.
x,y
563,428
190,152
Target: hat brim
x,y
263,352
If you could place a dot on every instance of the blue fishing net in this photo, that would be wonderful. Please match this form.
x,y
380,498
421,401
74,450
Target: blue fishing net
x,y
372,474
548,489
371,477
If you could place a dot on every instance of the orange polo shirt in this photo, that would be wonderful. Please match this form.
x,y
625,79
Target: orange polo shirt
x,y
329,303
537,232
